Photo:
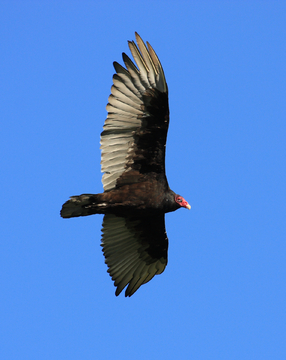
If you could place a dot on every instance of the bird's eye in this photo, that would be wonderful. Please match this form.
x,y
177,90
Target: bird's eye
x,y
179,199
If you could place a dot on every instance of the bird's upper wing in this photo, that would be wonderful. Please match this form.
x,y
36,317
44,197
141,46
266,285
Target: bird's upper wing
x,y
134,136
135,250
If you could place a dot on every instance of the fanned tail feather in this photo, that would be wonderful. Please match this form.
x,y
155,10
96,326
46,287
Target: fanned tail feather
x,y
82,205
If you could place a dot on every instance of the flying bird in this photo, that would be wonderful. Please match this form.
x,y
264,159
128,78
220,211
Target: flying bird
x,y
136,192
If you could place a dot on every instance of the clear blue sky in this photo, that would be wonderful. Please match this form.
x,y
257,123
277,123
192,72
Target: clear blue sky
x,y
222,295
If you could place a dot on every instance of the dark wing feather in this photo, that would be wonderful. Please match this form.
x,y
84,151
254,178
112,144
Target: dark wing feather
x,y
135,131
135,250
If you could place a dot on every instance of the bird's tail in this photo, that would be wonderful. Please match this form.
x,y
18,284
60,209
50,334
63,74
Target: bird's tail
x,y
82,205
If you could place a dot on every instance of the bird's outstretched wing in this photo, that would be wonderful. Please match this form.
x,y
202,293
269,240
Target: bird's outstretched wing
x,y
134,136
135,250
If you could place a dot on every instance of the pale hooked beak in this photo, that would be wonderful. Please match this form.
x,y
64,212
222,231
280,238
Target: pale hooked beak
x,y
188,206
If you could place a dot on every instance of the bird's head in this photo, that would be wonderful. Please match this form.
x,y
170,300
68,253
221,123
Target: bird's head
x,y
182,202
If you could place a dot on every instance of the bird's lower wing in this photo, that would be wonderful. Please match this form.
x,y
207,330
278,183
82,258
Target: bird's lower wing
x,y
135,250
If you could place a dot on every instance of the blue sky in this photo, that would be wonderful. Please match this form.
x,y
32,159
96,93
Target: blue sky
x,y
222,295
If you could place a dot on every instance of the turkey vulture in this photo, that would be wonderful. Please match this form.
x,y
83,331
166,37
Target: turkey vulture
x,y
136,192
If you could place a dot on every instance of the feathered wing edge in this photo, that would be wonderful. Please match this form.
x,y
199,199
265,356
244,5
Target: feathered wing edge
x,y
125,107
133,252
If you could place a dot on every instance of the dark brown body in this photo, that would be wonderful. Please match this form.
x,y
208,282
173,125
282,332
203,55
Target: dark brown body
x,y
137,199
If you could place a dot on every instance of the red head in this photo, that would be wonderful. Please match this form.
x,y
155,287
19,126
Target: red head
x,y
182,202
